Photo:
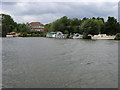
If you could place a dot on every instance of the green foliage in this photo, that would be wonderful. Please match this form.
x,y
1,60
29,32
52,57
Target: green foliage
x,y
91,26
66,32
85,36
35,35
64,25
111,26
24,34
29,35
22,28
47,27
1,26
8,24
60,24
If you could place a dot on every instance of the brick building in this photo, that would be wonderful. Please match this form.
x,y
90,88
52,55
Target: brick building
x,y
36,26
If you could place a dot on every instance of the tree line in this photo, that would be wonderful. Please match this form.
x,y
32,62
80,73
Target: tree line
x,y
66,25
85,26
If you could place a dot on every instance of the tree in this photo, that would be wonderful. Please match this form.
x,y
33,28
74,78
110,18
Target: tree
x,y
8,24
110,26
74,25
117,27
84,18
47,26
59,25
99,18
23,28
75,21
91,26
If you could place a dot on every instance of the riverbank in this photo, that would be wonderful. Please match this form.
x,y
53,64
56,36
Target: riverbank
x,y
107,38
60,35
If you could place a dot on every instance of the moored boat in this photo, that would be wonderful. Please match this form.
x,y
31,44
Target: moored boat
x,y
103,36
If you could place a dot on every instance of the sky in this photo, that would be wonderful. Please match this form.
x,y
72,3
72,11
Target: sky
x,y
48,11
119,11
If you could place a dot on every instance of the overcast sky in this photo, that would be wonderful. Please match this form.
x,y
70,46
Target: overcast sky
x,y
46,12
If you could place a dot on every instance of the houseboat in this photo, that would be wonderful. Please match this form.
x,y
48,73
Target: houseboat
x,y
51,34
103,36
9,36
60,35
13,34
56,35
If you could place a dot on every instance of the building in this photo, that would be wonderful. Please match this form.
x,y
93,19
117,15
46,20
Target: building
x,y
119,11
36,26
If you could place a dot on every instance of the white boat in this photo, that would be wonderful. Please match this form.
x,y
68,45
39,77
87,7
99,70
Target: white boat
x,y
51,34
77,36
9,36
103,36
56,35
60,35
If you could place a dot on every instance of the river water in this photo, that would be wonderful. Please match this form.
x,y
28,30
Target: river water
x,y
59,63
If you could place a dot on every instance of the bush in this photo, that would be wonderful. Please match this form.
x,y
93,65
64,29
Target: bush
x,y
35,35
85,36
28,35
24,34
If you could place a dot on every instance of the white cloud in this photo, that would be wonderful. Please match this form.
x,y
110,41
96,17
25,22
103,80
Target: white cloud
x,y
47,12
61,1
45,18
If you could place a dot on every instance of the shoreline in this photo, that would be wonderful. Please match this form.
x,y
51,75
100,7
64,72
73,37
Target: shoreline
x,y
62,38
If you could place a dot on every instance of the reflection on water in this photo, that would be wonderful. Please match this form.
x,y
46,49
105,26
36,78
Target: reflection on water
x,y
57,63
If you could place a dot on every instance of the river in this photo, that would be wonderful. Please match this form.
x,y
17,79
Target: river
x,y
36,62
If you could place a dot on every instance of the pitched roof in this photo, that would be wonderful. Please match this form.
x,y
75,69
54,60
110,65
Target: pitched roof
x,y
36,24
